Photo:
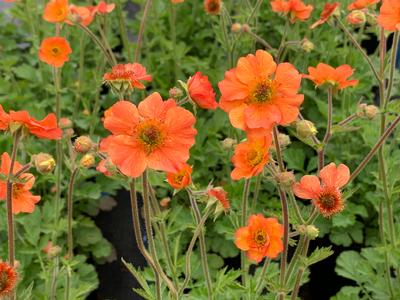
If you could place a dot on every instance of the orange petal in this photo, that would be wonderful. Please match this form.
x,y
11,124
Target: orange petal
x,y
309,187
335,176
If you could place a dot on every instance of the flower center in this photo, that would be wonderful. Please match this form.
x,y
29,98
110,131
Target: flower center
x,y
254,157
150,136
328,201
261,238
263,92
55,51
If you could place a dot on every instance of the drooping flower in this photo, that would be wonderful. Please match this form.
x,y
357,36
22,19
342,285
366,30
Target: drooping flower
x,y
180,179
8,279
54,51
262,237
56,11
361,4
389,17
127,76
250,157
45,129
201,91
81,14
294,9
325,194
157,135
221,196
213,7
328,11
336,77
259,94
22,198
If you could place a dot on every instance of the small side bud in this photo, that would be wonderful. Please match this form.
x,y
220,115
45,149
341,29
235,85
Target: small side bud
x,y
69,132
175,93
286,179
228,143
246,28
87,161
312,232
236,27
164,202
51,250
83,144
305,129
65,123
357,17
44,163
284,140
307,45
371,111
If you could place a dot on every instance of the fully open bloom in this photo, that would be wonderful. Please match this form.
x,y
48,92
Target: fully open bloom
x,y
325,74
212,7
201,91
327,12
295,9
262,237
389,17
8,279
55,51
127,76
259,94
182,178
56,11
361,4
22,198
326,195
45,129
157,135
250,157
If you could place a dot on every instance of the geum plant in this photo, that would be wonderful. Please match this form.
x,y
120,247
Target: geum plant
x,y
262,96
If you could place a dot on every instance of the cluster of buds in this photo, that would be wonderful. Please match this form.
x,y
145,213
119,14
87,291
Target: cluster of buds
x,y
84,145
305,129
44,163
367,111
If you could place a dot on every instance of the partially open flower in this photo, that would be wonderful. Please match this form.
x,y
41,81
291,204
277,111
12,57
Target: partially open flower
x,y
329,10
83,144
218,196
180,179
8,279
44,163
356,17
201,91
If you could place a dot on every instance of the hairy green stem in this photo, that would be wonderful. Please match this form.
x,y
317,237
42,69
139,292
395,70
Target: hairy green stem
x,y
141,30
245,200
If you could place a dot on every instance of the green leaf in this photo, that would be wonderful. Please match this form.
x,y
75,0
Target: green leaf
x,y
318,255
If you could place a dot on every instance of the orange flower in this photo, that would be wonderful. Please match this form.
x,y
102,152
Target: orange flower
x,y
328,11
326,196
55,51
182,178
356,17
177,1
22,198
104,167
259,94
221,196
8,279
212,7
45,129
81,14
325,74
201,91
130,75
157,135
296,9
250,157
56,11
262,237
389,17
104,8
361,4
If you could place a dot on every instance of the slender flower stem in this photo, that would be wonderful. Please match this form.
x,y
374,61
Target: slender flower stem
x,y
203,249
283,41
358,46
196,234
300,272
285,215
259,39
141,30
295,258
139,240
245,200
395,45
149,230
70,202
107,44
256,193
348,120
293,203
123,31
260,281
328,132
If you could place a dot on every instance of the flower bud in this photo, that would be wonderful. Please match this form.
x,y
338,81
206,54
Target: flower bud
x,y
305,129
87,161
361,110
286,179
69,132
312,232
51,250
86,112
83,144
371,111
175,93
228,143
307,45
65,123
356,17
284,140
44,163
246,28
236,27
164,202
